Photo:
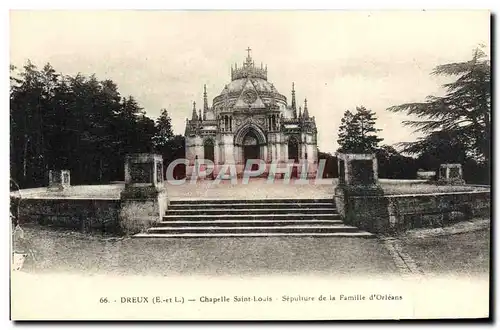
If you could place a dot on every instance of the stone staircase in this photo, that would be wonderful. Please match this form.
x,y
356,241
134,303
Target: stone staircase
x,y
265,217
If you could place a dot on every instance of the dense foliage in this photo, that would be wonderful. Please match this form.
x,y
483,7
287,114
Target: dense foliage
x,y
78,123
331,165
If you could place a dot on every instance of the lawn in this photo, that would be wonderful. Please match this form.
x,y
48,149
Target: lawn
x,y
403,188
458,254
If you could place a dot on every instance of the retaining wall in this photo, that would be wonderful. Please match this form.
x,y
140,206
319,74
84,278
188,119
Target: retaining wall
x,y
396,213
79,214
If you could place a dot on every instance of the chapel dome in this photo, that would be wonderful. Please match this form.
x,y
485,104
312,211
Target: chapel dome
x,y
250,80
260,85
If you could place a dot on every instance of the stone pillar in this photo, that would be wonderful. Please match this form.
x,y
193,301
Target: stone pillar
x,y
277,147
358,179
228,149
285,153
144,199
310,158
450,174
59,180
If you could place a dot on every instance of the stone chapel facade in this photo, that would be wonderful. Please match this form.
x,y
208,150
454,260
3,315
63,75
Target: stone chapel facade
x,y
250,119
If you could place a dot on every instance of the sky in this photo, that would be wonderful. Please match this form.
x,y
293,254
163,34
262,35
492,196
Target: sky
x,y
337,59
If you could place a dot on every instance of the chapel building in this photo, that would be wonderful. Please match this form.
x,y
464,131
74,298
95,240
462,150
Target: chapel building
x,y
250,119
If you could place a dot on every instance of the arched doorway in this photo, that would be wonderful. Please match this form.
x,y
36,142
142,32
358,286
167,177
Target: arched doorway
x,y
293,154
293,149
208,149
208,153
251,147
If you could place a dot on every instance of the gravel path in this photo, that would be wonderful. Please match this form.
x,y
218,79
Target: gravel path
x,y
62,251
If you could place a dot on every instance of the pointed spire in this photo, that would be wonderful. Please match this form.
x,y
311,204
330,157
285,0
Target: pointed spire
x,y
205,102
294,104
300,112
193,116
226,96
306,111
199,114
273,100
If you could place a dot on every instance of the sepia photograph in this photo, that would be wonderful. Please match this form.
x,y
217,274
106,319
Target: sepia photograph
x,y
250,165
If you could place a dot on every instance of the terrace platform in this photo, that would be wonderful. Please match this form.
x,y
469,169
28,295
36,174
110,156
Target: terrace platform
x,y
257,188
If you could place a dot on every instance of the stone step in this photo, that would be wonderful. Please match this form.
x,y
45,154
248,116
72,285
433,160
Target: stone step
x,y
359,234
284,216
208,211
254,229
252,201
250,206
252,218
245,223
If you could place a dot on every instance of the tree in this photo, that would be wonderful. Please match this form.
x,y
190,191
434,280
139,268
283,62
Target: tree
x,y
164,132
177,149
456,125
31,95
72,122
170,146
357,132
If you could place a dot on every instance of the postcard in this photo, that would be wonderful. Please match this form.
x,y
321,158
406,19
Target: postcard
x,y
250,165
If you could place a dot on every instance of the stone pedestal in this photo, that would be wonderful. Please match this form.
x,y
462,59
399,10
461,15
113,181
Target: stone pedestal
x,y
426,175
143,170
144,199
59,180
358,178
357,169
450,174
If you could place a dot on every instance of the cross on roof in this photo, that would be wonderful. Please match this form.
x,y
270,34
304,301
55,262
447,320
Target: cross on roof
x,y
248,50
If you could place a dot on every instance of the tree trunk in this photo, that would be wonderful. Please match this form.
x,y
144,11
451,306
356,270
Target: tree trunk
x,y
100,169
25,156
